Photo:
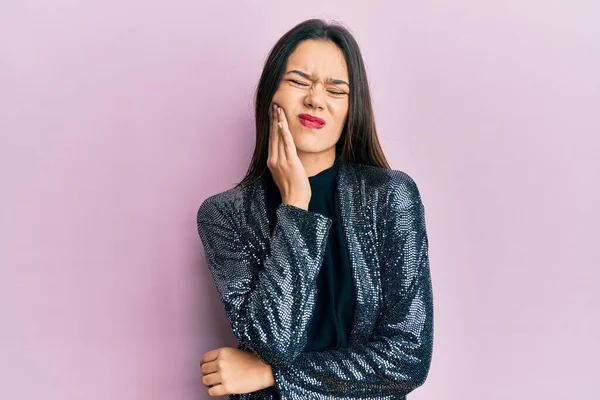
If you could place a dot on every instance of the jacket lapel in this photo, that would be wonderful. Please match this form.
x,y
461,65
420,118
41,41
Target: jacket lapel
x,y
353,201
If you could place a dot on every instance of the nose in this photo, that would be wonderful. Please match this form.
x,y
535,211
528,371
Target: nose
x,y
315,96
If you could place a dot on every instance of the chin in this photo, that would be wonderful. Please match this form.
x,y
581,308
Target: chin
x,y
311,142
312,146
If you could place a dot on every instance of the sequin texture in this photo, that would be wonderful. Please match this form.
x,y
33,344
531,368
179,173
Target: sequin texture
x,y
267,283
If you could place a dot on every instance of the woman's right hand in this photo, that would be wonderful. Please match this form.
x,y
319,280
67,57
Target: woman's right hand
x,y
286,168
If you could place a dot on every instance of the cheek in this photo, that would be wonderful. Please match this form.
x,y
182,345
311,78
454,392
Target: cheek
x,y
277,97
283,96
339,113
287,101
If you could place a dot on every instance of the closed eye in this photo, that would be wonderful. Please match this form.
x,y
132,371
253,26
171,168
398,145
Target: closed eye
x,y
298,83
304,84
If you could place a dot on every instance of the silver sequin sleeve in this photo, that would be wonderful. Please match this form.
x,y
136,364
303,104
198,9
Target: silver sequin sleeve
x,y
397,358
268,301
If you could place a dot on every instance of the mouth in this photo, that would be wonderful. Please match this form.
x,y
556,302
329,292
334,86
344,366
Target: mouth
x,y
311,121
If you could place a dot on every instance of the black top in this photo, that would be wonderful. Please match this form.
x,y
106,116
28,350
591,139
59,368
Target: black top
x,y
332,319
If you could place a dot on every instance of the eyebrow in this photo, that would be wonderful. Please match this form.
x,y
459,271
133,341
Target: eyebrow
x,y
309,76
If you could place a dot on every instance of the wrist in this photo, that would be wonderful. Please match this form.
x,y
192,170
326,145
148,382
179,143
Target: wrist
x,y
268,378
298,204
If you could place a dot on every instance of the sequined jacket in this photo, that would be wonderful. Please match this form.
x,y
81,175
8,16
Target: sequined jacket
x,y
267,283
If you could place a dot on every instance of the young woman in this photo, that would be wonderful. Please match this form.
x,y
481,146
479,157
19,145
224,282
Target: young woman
x,y
320,254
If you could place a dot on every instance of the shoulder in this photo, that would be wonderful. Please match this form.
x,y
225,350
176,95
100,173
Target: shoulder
x,y
390,185
223,203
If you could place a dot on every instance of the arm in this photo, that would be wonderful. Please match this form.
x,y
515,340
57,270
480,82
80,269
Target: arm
x,y
259,295
397,358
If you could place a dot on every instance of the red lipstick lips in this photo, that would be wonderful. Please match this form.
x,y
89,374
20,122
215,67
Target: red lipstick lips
x,y
310,121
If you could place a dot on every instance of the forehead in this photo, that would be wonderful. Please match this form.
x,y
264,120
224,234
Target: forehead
x,y
321,58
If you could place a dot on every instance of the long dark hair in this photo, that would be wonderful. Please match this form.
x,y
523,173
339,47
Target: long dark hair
x,y
358,142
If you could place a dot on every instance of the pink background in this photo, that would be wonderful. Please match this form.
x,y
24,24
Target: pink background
x,y
118,118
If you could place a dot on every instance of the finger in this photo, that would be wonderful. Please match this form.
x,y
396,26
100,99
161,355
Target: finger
x,y
209,367
211,379
281,145
210,356
273,133
217,390
290,146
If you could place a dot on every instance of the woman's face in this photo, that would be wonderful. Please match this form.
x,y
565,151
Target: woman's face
x,y
315,82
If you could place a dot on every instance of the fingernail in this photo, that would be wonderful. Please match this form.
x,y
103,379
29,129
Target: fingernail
x,y
279,111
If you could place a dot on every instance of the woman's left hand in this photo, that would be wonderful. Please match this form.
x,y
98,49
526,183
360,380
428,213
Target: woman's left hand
x,y
227,370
